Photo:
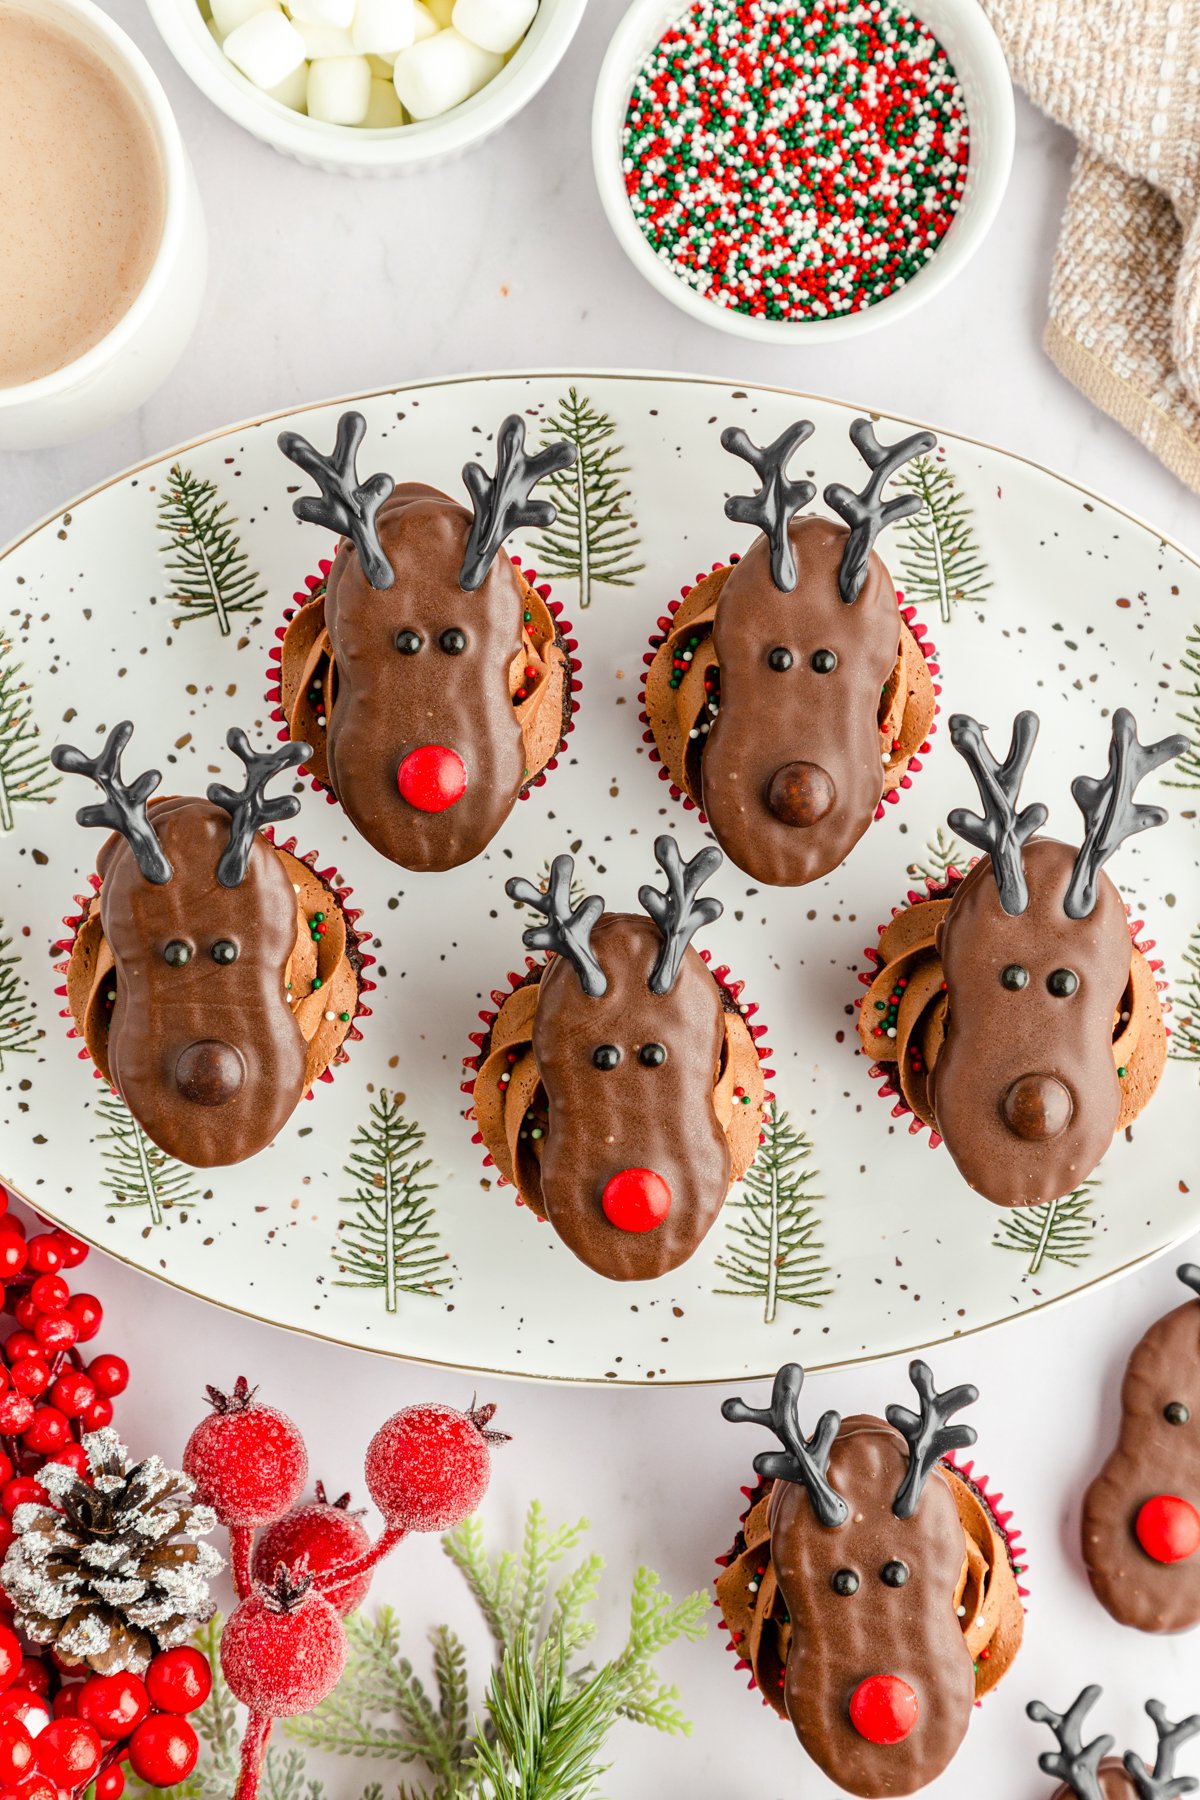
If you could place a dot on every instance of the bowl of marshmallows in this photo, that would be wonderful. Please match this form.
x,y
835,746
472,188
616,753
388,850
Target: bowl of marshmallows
x,y
369,87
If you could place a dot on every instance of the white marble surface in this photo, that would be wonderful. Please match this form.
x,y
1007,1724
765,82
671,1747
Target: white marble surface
x,y
320,287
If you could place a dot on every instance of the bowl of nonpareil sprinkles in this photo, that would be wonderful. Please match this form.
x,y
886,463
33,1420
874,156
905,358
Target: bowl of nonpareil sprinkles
x,y
793,170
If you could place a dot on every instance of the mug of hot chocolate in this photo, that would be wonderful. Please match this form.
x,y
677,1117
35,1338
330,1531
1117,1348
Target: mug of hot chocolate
x,y
103,270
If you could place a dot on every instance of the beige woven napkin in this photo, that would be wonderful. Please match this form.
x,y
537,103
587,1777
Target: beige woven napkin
x,y
1124,324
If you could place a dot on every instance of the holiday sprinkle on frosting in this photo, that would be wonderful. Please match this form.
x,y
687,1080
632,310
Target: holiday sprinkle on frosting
x,y
795,163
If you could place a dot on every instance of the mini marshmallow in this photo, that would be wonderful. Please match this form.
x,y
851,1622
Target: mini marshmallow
x,y
383,108
497,25
425,23
324,40
227,15
292,92
339,89
337,13
383,27
442,72
266,48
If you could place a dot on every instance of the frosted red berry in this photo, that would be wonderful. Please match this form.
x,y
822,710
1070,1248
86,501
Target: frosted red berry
x,y
109,1374
47,1431
22,1490
179,1680
68,1751
50,1294
13,1255
74,1249
30,1377
247,1461
98,1415
46,1254
72,1393
110,1783
283,1649
30,1708
87,1313
428,1466
16,1751
321,1534
55,1331
114,1704
163,1750
11,1656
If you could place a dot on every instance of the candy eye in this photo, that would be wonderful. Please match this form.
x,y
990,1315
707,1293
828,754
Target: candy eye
x,y
1062,983
224,952
177,953
454,641
823,662
894,1574
652,1056
606,1057
1176,1413
780,660
845,1582
1014,977
408,642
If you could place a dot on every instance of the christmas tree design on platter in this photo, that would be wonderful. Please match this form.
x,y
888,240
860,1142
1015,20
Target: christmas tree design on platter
x,y
388,1239
940,558
136,1171
594,540
19,1030
210,573
1059,1231
26,776
772,1251
1186,771
1184,1043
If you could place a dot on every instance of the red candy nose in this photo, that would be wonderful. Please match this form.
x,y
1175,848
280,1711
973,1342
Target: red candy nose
x,y
432,778
883,1709
636,1200
1168,1528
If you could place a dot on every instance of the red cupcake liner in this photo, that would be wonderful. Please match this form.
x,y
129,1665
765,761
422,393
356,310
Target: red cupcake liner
x,y
934,889
662,631
992,1499
721,974
313,584
329,876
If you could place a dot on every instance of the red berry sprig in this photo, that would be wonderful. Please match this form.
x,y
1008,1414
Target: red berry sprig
x,y
284,1645
61,1734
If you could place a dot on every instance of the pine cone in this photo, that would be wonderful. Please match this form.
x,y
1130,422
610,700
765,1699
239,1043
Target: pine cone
x,y
113,1571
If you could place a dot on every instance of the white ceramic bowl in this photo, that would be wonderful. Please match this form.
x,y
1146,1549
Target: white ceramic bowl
x,y
968,38
116,375
352,149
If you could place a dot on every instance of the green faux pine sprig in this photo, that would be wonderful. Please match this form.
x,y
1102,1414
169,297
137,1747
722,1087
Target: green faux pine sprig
x,y
546,1716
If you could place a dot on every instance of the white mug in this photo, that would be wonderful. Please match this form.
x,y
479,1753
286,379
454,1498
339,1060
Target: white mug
x,y
116,375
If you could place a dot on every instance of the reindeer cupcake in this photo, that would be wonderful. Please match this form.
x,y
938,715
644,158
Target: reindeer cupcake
x,y
787,695
212,973
431,678
1141,1515
872,1591
1011,1009
1089,1772
618,1086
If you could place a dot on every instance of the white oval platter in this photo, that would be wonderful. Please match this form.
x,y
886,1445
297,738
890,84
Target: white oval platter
x,y
859,1240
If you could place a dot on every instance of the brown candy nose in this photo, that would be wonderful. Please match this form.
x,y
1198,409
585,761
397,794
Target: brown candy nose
x,y
210,1073
1037,1107
801,793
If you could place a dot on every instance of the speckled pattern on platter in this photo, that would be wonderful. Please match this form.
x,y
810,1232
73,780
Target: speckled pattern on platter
x,y
370,1220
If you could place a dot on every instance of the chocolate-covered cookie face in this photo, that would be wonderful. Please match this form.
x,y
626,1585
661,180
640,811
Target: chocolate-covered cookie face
x,y
789,801
628,1038
867,1546
1141,1515
1089,1772
199,923
1036,958
424,683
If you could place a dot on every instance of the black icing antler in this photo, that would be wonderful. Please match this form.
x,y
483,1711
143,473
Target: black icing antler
x,y
1002,830
928,1435
502,502
250,809
1109,809
345,505
803,1460
124,808
566,932
778,500
1189,1274
868,513
678,914
1162,1783
1074,1762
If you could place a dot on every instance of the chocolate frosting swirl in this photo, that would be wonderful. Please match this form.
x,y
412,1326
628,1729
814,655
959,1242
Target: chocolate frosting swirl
x,y
500,703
